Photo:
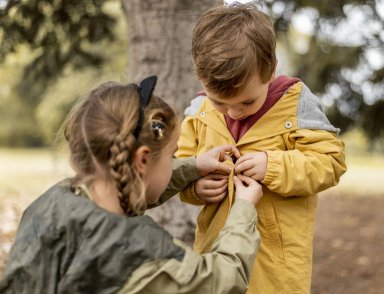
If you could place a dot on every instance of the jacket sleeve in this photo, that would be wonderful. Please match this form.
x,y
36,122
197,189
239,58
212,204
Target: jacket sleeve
x,y
187,146
226,269
314,162
184,172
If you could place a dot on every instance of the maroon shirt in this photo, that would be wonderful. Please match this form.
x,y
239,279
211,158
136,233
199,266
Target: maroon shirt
x,y
276,90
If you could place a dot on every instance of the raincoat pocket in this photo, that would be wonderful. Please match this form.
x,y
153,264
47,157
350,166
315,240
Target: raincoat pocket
x,y
295,226
270,231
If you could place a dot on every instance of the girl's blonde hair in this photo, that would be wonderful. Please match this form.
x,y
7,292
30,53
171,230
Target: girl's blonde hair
x,y
99,131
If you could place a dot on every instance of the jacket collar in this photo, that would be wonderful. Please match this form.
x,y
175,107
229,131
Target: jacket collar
x,y
278,120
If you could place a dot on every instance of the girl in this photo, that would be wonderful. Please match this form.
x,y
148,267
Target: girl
x,y
88,234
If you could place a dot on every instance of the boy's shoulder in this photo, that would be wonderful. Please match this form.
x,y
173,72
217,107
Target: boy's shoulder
x,y
310,112
196,104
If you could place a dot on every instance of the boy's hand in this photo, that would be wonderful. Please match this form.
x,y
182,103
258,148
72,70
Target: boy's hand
x,y
252,165
247,189
213,160
212,188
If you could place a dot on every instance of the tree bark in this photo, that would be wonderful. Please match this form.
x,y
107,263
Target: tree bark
x,y
160,34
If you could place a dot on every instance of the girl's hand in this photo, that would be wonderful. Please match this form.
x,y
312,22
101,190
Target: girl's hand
x,y
252,165
247,189
213,160
212,188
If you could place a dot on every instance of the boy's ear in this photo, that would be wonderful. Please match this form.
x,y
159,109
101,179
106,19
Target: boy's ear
x,y
273,76
141,160
274,72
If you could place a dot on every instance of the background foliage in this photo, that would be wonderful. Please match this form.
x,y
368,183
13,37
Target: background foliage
x,y
52,52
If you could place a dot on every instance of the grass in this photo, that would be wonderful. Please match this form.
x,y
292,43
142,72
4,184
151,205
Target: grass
x,y
364,176
27,173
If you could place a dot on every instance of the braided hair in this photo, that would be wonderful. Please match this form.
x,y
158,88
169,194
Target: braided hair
x,y
99,132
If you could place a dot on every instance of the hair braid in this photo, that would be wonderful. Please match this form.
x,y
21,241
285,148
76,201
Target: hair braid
x,y
102,147
126,178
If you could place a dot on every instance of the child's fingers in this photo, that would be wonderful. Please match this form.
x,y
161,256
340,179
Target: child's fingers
x,y
214,192
249,181
216,177
222,167
243,165
237,181
215,199
211,185
245,157
249,172
227,157
228,149
235,151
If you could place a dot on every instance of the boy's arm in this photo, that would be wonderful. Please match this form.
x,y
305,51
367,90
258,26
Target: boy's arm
x,y
188,141
315,162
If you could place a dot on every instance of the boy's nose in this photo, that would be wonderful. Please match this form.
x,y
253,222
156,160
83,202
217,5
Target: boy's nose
x,y
235,113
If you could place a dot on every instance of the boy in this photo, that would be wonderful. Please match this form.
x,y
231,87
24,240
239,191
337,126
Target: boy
x,y
285,140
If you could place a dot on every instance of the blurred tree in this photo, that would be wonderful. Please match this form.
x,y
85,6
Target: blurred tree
x,y
58,33
17,121
338,63
344,61
160,34
59,38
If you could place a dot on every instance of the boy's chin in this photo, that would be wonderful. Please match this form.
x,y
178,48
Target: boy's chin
x,y
240,118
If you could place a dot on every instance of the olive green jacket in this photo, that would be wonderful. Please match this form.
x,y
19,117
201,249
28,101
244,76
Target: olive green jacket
x,y
67,244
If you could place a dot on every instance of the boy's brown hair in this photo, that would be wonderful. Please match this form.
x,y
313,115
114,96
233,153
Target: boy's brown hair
x,y
230,44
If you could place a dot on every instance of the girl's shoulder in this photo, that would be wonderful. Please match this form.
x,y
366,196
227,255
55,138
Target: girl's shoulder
x,y
78,244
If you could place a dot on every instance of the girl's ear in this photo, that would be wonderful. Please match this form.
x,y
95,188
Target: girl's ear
x,y
141,160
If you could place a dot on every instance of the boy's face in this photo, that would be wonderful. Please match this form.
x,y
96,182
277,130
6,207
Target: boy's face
x,y
245,103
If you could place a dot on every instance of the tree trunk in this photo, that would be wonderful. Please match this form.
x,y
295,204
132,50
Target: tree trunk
x,y
160,33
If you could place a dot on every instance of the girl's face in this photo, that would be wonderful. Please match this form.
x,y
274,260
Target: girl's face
x,y
160,173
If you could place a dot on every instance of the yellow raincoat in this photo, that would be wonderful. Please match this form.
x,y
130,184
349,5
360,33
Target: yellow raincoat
x,y
304,157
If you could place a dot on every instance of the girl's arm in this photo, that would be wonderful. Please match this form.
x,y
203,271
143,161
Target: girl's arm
x,y
184,172
187,170
226,269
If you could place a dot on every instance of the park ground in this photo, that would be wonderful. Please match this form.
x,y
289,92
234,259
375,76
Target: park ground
x,y
349,241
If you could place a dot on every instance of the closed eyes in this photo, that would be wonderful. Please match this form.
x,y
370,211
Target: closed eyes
x,y
247,103
218,103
